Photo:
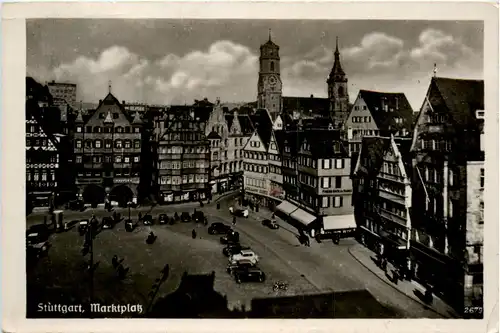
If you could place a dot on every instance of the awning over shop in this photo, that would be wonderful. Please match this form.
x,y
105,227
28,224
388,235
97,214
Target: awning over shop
x,y
286,207
393,240
339,222
303,217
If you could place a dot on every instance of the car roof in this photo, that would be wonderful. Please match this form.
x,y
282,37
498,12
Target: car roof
x,y
246,251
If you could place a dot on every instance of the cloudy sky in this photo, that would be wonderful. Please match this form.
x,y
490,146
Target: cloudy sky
x,y
177,61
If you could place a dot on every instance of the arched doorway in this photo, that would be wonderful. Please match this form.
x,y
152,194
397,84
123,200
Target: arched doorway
x,y
121,194
93,194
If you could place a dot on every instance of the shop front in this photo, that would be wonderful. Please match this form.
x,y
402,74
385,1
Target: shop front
x,y
41,199
336,227
296,217
395,250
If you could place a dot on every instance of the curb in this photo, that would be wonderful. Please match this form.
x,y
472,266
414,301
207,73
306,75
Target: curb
x,y
226,195
400,291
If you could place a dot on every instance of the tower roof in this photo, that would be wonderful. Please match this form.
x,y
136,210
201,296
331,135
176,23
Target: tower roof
x,y
137,118
269,43
337,67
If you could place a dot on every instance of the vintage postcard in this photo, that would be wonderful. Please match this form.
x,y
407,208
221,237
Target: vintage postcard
x,y
250,161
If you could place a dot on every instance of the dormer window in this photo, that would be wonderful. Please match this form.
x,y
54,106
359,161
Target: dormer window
x,y
480,114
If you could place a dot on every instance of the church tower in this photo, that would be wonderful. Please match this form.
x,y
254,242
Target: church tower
x,y
269,86
337,91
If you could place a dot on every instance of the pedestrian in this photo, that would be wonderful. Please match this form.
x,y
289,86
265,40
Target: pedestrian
x,y
114,261
140,216
274,216
231,209
234,220
193,234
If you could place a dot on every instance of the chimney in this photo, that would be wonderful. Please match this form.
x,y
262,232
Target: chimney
x,y
397,103
312,96
123,102
191,113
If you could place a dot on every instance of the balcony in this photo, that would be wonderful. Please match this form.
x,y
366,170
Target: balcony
x,y
392,177
391,196
391,217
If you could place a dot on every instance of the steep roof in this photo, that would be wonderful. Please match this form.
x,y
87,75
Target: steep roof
x,y
305,104
371,155
385,120
337,70
280,139
322,143
462,98
246,124
263,125
213,135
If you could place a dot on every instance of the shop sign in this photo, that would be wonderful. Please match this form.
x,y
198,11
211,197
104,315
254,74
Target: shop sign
x,y
336,190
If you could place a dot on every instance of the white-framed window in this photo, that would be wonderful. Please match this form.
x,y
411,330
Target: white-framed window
x,y
481,179
79,129
337,202
126,159
324,202
325,182
450,208
339,163
78,143
326,164
118,159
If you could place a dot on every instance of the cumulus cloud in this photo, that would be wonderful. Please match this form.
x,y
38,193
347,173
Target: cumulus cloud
x,y
224,70
229,70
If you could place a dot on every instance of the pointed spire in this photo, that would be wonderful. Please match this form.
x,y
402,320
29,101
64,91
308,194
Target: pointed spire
x,y
79,116
109,86
337,46
435,69
269,34
109,118
337,67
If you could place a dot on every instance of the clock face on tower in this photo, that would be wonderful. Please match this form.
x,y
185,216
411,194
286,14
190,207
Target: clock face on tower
x,y
272,80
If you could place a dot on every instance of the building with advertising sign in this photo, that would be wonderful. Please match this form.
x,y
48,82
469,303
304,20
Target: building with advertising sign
x,y
316,170
107,147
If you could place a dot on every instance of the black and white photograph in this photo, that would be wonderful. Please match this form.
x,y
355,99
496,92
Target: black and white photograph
x,y
195,168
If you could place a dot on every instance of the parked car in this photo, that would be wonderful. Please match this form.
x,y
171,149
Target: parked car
x,y
130,225
147,219
244,255
163,219
233,249
232,237
37,250
241,213
231,267
108,222
75,205
198,216
37,234
219,228
270,224
83,226
185,217
249,274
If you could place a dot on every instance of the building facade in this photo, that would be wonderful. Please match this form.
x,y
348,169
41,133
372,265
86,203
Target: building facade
x,y
383,197
182,160
448,178
65,93
269,85
107,148
377,113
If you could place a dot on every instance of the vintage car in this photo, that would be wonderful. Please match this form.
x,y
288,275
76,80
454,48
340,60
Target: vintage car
x,y
163,219
270,224
185,217
231,249
244,255
108,222
37,250
198,216
241,212
219,228
83,226
147,219
232,237
249,274
37,234
231,267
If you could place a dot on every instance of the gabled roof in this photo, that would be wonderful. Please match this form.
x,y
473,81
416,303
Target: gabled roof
x,y
371,155
213,135
385,120
280,139
263,125
322,143
462,98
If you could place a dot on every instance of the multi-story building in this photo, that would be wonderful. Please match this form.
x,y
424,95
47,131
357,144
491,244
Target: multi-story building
x,y
182,157
107,147
226,141
255,157
275,175
63,93
382,195
316,181
377,113
448,183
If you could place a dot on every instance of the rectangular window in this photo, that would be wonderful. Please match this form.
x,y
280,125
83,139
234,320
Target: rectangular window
x,y
339,163
337,202
325,182
338,182
481,180
118,159
326,164
126,159
324,202
44,176
78,159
